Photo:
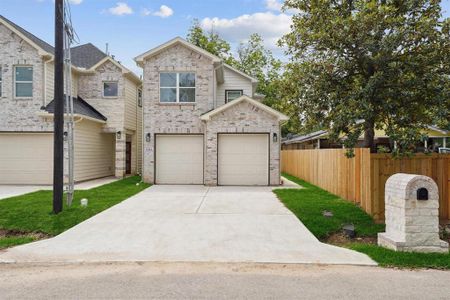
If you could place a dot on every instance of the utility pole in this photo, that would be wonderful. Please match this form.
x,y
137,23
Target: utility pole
x,y
58,137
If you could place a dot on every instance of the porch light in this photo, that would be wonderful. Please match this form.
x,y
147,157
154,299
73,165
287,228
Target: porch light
x,y
65,135
147,137
119,134
275,137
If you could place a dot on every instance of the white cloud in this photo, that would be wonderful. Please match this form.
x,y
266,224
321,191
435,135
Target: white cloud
x,y
75,2
164,12
120,9
146,12
273,5
269,25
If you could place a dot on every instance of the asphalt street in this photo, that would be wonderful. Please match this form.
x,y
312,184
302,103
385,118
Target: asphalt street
x,y
218,281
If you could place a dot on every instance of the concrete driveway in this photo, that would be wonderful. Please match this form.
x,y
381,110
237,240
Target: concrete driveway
x,y
190,223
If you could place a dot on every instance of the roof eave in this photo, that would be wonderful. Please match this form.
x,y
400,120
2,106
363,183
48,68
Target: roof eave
x,y
280,117
51,115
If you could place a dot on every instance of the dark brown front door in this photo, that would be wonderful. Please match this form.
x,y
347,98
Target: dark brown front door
x,y
128,158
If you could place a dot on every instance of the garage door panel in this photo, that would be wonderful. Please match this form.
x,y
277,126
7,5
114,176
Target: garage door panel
x,y
179,159
26,158
243,159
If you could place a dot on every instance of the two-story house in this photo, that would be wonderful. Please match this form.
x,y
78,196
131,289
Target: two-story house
x,y
107,111
201,125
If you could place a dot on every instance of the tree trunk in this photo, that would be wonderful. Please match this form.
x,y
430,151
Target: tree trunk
x,y
369,136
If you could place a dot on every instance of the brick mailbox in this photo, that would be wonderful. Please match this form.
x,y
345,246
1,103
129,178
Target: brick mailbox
x,y
412,215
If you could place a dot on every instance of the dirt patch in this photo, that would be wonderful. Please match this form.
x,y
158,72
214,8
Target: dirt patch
x,y
4,233
340,239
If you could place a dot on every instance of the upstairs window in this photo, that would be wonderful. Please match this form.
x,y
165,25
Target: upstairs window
x,y
232,94
110,89
139,97
23,82
177,87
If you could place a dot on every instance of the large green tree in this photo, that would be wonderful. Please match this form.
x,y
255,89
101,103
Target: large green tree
x,y
255,60
359,65
210,41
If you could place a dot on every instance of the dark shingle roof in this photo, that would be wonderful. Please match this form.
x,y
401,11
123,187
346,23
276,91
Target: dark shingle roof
x,y
79,107
83,56
44,45
86,56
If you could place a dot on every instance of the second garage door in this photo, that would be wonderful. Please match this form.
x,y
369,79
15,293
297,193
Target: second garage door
x,y
26,158
179,159
243,159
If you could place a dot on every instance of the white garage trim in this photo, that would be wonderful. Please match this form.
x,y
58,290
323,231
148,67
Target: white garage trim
x,y
26,157
179,158
230,172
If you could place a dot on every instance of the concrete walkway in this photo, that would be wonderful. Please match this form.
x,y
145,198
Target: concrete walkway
x,y
7,191
190,223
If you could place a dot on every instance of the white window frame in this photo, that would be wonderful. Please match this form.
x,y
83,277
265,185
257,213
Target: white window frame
x,y
177,87
232,90
103,89
15,81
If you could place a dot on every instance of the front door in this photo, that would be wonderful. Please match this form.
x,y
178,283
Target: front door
x,y
128,158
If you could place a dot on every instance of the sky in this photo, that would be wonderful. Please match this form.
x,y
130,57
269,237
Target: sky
x,y
132,27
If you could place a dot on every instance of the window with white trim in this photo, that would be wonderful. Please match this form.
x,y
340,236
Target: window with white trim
x,y
110,89
139,99
177,87
232,94
23,81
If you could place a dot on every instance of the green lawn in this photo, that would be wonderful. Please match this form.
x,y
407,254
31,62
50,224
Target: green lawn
x,y
33,212
308,205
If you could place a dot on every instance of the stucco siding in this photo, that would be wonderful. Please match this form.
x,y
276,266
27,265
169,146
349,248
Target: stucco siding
x,y
94,151
232,81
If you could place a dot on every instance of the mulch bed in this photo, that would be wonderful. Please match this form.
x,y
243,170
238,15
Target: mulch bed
x,y
4,233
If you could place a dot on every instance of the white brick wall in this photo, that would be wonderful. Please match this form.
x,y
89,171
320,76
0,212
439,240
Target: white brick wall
x,y
411,224
20,114
185,118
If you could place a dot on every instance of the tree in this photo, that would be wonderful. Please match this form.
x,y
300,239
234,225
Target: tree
x,y
210,41
255,60
361,65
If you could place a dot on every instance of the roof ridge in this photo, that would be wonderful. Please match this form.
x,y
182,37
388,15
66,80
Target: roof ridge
x,y
20,28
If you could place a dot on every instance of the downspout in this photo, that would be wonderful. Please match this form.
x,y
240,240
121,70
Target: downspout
x,y
44,100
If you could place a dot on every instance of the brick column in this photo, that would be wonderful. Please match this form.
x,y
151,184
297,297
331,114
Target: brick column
x,y
120,156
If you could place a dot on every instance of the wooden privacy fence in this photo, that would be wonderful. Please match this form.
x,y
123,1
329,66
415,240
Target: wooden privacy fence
x,y
361,179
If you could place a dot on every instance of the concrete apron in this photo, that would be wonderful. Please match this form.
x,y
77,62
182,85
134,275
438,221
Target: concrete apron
x,y
190,223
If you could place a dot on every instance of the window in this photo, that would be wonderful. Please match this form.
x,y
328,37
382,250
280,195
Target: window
x,y
1,81
110,89
177,87
232,94
139,99
23,79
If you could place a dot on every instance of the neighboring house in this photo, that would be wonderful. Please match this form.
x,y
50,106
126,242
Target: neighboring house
x,y
437,138
201,125
107,107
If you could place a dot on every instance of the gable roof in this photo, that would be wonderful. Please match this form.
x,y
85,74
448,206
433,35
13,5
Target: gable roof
x,y
80,107
86,56
281,117
29,37
176,41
